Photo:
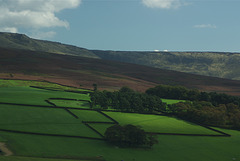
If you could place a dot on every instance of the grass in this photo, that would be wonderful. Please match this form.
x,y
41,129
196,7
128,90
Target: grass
x,y
172,148
33,96
159,124
101,127
86,115
171,101
59,121
71,103
26,83
2,139
15,158
43,120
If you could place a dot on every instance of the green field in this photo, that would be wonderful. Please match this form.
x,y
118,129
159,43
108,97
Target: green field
x,y
13,158
2,139
100,127
171,101
27,83
58,121
45,120
87,115
173,148
71,103
34,96
159,124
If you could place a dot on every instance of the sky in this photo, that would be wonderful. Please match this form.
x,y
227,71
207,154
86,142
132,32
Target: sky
x,y
128,25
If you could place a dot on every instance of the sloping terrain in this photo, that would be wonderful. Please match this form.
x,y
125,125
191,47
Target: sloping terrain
x,y
37,132
21,41
216,64
84,72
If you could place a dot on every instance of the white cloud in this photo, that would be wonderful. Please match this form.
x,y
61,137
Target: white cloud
x,y
9,29
33,14
164,4
205,26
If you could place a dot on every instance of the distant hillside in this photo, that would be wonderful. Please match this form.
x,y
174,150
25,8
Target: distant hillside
x,y
223,65
111,75
21,41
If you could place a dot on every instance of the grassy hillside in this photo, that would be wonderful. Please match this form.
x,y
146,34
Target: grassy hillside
x,y
14,158
173,148
21,41
159,124
222,64
43,132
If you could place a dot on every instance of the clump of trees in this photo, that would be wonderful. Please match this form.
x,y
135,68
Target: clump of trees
x,y
223,115
129,136
127,100
216,109
182,93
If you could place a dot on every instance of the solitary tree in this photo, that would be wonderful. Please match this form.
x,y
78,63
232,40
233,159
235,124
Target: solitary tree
x,y
128,136
94,87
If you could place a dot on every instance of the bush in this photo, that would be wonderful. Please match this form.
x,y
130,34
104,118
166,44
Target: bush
x,y
128,136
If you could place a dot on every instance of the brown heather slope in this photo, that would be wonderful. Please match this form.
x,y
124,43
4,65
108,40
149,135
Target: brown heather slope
x,y
111,75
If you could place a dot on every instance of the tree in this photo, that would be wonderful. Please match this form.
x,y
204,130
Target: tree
x,y
128,136
94,87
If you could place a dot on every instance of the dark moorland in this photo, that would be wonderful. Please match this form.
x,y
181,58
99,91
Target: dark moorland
x,y
83,72
215,64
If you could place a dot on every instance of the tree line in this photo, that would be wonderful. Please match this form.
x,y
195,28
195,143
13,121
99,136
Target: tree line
x,y
127,100
215,109
182,93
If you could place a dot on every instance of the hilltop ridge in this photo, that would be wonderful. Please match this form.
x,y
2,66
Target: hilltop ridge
x,y
84,72
21,41
214,64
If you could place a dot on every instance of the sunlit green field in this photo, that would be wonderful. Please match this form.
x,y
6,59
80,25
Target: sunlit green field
x,y
171,101
72,103
27,83
159,124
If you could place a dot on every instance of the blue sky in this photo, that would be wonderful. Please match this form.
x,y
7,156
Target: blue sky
x,y
139,25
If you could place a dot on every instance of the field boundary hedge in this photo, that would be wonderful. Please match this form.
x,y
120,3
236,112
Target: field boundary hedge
x,y
69,99
223,134
70,112
180,134
43,134
45,106
47,82
99,122
86,123
113,121
97,132
116,122
57,89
